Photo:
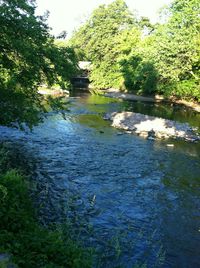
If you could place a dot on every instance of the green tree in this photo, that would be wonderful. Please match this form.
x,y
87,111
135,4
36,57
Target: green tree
x,y
28,57
167,58
176,49
136,55
110,32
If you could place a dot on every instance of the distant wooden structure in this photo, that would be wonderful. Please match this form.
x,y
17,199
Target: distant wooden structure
x,y
82,80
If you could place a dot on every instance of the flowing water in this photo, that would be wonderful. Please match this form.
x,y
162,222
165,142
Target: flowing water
x,y
135,200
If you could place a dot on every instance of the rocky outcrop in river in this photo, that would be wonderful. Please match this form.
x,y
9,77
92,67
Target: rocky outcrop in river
x,y
152,127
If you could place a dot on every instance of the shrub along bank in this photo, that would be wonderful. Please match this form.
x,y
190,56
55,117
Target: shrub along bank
x,y
21,236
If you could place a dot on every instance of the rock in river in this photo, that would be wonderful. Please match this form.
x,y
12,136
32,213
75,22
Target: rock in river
x,y
150,126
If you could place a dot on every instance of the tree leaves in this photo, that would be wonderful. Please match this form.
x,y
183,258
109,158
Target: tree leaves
x,y
103,39
137,56
28,58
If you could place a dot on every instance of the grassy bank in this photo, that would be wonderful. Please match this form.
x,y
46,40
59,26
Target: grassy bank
x,y
22,237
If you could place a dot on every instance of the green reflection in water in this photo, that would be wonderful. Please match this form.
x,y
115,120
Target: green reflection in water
x,y
97,99
99,104
170,111
92,120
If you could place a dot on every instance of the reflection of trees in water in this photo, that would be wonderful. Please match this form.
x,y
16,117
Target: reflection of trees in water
x,y
169,111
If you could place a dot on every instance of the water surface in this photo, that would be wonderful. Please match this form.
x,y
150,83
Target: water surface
x,y
134,200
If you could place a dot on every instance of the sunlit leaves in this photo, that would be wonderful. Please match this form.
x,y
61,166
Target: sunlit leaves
x,y
109,33
28,57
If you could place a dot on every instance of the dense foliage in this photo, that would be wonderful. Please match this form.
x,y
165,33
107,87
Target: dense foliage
x,y
103,39
132,54
28,243
28,58
175,50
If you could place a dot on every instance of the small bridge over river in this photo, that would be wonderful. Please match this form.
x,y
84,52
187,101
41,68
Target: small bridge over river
x,y
82,80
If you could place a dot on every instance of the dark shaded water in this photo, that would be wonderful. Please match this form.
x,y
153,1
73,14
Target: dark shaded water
x,y
135,200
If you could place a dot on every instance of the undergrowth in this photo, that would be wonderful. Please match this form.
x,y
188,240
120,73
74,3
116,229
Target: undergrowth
x,y
29,243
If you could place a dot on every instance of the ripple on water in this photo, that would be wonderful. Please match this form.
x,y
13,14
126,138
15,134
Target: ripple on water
x,y
135,200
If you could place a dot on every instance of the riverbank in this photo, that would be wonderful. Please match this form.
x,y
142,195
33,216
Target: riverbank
x,y
24,242
152,127
115,93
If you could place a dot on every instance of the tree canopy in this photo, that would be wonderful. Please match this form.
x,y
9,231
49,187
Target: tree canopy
x,y
132,54
28,57
126,53
175,50
103,39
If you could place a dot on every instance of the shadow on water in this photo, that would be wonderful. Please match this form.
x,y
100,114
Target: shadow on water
x,y
134,200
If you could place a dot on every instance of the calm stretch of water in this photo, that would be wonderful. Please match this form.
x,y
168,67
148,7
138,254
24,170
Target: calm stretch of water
x,y
135,200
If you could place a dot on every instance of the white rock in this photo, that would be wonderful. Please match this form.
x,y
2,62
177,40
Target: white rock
x,y
150,126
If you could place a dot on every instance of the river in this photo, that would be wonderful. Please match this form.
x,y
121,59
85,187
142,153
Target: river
x,y
135,200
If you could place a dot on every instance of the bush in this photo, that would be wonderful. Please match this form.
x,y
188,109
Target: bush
x,y
185,89
139,75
